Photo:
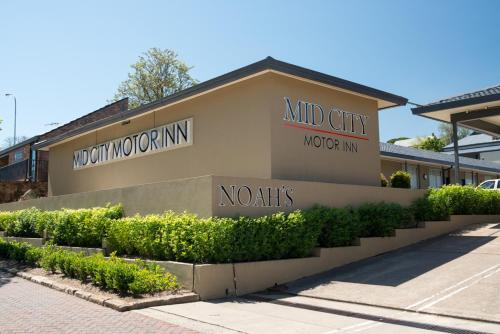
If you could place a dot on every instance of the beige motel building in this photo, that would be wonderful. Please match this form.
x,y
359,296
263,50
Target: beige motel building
x,y
269,136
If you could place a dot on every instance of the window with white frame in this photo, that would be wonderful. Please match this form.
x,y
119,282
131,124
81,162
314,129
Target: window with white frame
x,y
413,171
18,155
468,178
435,178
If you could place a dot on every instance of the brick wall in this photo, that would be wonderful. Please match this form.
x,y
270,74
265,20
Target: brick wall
x,y
104,112
12,191
26,153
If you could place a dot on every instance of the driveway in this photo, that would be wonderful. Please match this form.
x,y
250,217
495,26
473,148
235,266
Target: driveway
x,y
456,275
26,307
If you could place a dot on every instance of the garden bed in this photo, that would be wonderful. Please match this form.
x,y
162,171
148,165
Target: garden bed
x,y
93,293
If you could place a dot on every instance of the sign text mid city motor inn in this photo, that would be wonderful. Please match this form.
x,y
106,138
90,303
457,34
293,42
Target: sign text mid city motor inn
x,y
335,128
166,137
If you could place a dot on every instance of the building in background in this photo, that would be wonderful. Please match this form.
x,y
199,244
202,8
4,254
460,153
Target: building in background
x,y
477,110
429,169
22,162
478,146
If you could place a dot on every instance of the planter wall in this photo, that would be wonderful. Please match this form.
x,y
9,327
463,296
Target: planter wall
x,y
220,280
38,242
213,281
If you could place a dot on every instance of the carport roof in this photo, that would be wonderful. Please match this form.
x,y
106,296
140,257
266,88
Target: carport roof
x,y
478,110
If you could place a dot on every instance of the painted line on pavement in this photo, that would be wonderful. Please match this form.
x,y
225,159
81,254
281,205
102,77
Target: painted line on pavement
x,y
456,285
349,327
457,291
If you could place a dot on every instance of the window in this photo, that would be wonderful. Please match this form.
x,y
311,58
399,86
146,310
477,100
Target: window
x,y
18,155
435,178
468,178
413,171
488,184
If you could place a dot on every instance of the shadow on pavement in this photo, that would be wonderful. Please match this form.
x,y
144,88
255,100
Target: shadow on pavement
x,y
5,277
397,267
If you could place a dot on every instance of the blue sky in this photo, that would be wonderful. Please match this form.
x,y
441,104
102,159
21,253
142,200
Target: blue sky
x,y
63,60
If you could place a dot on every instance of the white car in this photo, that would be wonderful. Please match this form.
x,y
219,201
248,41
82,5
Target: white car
x,y
490,184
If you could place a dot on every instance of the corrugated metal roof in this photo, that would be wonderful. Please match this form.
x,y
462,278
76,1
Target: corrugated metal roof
x,y
410,153
470,95
475,139
486,95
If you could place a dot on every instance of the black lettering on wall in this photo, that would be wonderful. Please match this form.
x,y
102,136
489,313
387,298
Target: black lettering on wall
x,y
230,196
248,196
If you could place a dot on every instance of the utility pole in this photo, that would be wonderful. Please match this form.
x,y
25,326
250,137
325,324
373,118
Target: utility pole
x,y
15,115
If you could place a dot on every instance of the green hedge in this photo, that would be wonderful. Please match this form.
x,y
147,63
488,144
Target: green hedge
x,y
439,204
185,237
82,227
114,274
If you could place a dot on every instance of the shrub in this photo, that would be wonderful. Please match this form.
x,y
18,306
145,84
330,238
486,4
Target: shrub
x,y
82,227
380,219
400,179
439,204
383,180
23,223
6,217
185,237
113,274
340,227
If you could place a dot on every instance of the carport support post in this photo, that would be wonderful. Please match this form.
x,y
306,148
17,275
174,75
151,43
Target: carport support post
x,y
455,150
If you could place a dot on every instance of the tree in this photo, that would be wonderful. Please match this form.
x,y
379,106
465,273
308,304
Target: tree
x,y
393,140
446,133
431,143
157,74
9,141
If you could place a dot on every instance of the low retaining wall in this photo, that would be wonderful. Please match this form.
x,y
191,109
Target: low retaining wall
x,y
183,271
220,280
210,196
38,242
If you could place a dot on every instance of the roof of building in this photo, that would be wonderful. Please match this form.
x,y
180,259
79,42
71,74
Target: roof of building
x,y
19,145
410,141
385,99
475,143
471,98
474,139
101,113
409,153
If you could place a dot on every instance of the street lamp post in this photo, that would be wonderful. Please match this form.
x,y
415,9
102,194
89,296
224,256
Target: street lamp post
x,y
15,115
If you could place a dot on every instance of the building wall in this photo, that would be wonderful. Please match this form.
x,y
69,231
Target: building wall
x,y
231,136
423,176
356,158
490,156
388,167
26,153
202,195
238,130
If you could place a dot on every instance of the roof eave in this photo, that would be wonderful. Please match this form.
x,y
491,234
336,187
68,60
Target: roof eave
x,y
18,145
455,104
267,64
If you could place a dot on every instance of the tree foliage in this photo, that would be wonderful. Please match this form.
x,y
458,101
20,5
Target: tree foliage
x,y
157,74
9,141
431,143
393,140
446,133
